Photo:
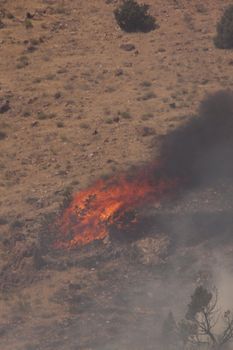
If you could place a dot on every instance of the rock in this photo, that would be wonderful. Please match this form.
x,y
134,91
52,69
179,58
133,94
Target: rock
x,y
4,106
128,47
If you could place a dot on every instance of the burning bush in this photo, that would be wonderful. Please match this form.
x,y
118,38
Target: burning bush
x,y
224,37
132,17
109,204
202,149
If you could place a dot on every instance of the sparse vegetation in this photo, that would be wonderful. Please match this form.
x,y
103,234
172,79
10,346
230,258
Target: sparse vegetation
x,y
60,124
22,62
188,19
133,17
28,23
110,89
147,116
32,347
3,135
2,25
26,114
147,96
146,83
22,305
57,95
84,125
77,106
201,8
108,120
3,221
224,37
35,41
125,114
50,76
42,115
60,9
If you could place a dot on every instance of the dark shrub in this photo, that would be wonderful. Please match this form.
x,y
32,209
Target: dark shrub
x,y
224,37
132,17
2,135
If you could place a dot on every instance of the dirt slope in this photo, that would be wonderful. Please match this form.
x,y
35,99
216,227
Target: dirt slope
x,y
81,107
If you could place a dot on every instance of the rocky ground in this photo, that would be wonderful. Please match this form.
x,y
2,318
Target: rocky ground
x,y
80,99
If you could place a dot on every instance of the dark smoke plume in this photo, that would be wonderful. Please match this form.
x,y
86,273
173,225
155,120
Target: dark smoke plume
x,y
202,149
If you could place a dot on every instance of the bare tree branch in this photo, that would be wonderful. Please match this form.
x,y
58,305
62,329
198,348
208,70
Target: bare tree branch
x,y
203,315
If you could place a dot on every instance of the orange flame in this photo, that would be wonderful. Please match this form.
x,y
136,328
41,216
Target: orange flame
x,y
92,210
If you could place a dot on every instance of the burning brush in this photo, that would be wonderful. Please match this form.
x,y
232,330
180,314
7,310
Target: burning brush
x,y
107,202
198,151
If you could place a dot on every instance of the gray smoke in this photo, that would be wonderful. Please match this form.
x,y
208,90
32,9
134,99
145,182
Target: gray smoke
x,y
202,149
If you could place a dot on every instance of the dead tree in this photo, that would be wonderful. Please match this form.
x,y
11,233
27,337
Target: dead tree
x,y
199,328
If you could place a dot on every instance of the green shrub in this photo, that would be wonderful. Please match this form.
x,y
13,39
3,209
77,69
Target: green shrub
x,y
132,17
28,23
224,37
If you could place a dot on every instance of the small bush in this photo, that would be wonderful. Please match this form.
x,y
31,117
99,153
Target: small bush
x,y
3,135
132,17
224,37
22,62
125,114
2,25
28,23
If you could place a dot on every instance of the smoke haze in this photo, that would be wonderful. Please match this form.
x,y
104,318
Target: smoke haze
x,y
199,224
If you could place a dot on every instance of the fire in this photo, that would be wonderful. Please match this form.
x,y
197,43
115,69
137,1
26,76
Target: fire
x,y
94,209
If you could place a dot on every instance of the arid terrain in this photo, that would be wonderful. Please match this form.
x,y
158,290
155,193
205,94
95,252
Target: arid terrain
x,y
80,100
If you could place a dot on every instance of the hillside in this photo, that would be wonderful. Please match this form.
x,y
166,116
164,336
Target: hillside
x,y
80,100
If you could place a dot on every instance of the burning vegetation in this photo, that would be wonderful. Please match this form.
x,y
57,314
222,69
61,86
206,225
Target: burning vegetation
x,y
107,202
198,151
